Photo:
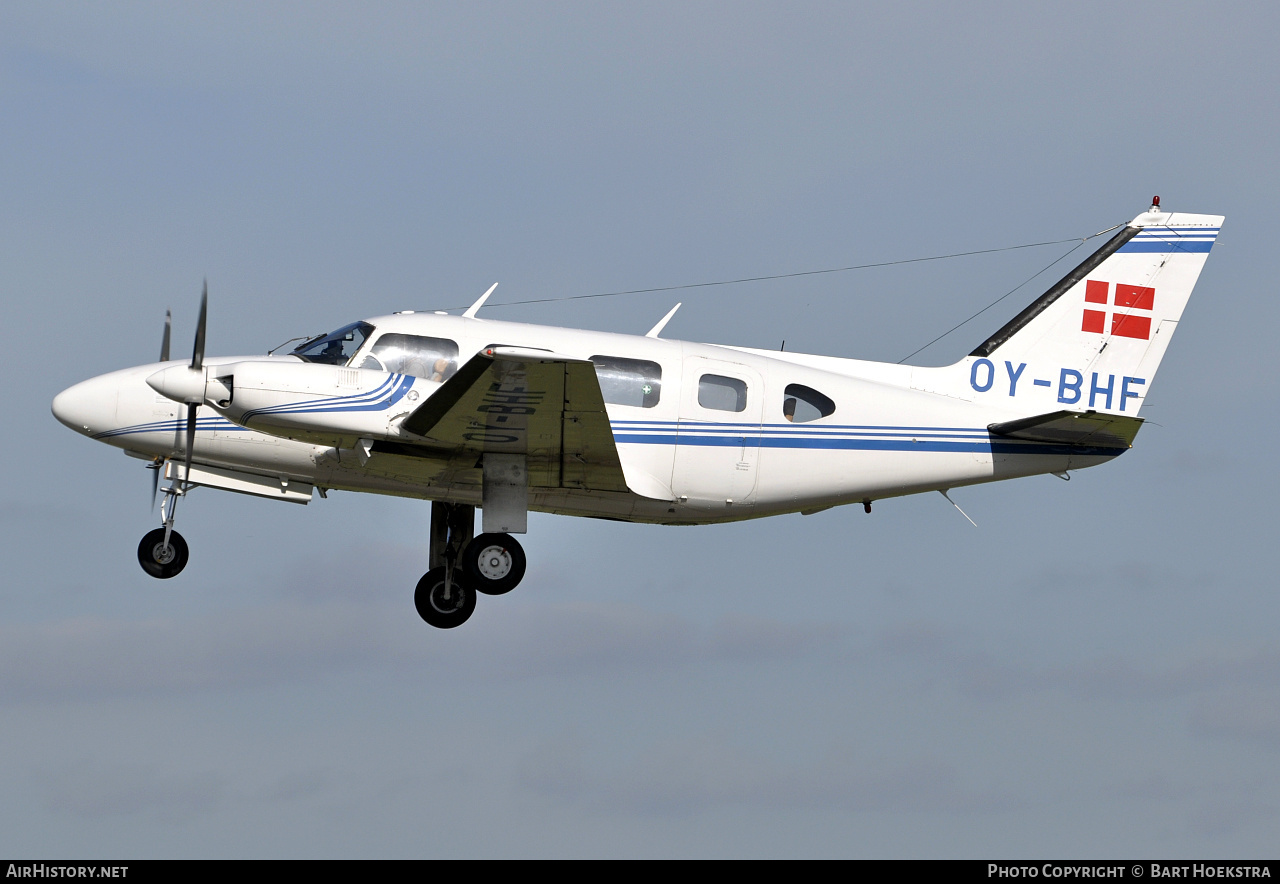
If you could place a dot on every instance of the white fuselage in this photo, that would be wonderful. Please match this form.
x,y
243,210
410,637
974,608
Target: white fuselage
x,y
714,444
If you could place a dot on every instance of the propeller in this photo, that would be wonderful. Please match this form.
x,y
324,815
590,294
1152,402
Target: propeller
x,y
197,364
184,386
154,467
156,464
197,352
164,343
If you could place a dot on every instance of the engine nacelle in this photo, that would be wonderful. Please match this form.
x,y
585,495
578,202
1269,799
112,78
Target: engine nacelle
x,y
325,404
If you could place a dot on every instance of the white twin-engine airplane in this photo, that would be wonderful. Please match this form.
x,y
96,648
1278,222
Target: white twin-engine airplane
x,y
468,412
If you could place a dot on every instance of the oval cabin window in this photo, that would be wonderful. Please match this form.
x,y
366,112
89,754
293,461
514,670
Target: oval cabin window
x,y
801,404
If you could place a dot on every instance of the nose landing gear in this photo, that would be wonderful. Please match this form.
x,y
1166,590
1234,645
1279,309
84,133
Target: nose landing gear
x,y
163,552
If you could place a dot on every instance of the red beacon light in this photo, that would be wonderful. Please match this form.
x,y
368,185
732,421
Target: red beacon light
x,y
1155,203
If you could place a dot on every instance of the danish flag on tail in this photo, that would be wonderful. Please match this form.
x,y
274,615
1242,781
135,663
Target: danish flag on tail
x,y
1123,321
1106,322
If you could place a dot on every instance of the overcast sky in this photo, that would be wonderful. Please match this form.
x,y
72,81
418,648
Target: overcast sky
x,y
1091,672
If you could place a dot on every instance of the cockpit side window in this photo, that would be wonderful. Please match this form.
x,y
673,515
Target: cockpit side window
x,y
801,404
435,359
635,382
336,348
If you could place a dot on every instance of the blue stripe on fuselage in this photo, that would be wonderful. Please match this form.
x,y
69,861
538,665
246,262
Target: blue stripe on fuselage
x,y
935,442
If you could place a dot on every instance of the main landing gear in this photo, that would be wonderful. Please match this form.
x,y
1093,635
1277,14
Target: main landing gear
x,y
462,566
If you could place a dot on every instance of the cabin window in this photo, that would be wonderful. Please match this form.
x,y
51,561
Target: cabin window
x,y
720,393
802,404
635,382
435,359
335,348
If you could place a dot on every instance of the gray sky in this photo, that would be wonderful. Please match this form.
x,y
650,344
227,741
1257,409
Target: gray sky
x,y
1091,672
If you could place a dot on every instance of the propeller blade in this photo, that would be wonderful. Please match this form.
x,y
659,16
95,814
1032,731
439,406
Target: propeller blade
x,y
164,344
191,443
154,466
197,353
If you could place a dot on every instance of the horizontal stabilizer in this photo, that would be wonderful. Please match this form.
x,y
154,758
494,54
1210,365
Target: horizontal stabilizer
x,y
1073,428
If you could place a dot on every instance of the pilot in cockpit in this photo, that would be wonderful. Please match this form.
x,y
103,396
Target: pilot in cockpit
x,y
332,352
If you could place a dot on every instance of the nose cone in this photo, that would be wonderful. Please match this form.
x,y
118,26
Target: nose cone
x,y
89,407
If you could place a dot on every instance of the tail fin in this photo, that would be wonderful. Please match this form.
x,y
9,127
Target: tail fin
x,y
1094,341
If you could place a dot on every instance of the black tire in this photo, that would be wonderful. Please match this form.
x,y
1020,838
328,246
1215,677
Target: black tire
x,y
494,563
158,561
443,613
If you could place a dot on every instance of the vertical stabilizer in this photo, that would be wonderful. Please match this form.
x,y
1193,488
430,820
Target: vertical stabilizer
x,y
1095,339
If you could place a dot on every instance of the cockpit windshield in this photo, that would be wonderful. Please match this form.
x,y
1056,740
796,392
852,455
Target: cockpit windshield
x,y
336,348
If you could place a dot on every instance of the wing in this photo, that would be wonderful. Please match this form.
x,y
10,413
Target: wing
x,y
511,400
1073,428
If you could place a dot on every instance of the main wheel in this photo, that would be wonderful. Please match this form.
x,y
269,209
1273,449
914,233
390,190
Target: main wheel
x,y
441,612
494,563
159,560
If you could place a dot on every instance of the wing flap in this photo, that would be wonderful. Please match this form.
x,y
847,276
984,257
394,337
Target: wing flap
x,y
1073,428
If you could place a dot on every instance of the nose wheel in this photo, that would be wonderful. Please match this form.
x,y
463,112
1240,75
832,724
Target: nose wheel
x,y
162,559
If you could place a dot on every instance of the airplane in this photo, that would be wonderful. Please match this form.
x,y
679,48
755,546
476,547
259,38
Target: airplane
x,y
509,417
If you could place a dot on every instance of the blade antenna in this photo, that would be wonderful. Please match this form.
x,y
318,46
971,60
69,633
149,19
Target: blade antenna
x,y
662,323
957,506
471,311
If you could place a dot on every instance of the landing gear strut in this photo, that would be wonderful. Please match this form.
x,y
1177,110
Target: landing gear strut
x,y
163,553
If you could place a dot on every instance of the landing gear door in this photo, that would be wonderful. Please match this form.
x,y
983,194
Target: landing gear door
x,y
718,437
